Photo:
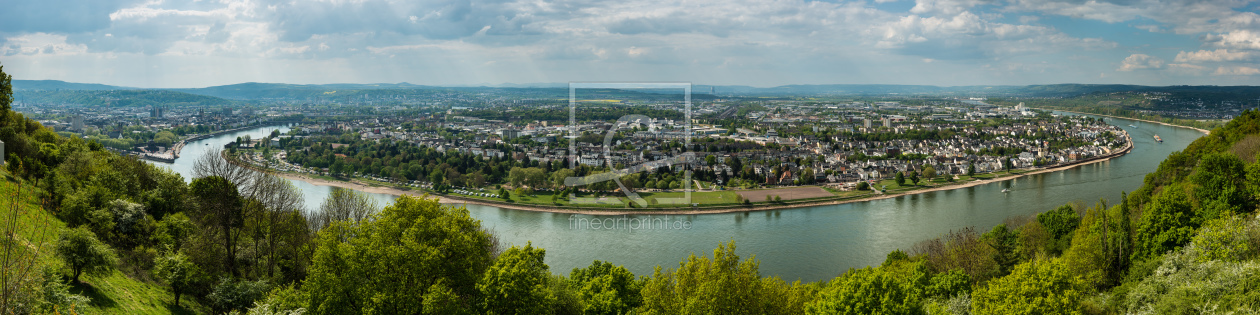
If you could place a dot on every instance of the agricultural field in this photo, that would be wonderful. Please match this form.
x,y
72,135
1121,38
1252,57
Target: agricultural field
x,y
786,193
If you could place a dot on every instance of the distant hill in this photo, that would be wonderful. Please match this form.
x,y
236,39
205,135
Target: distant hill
x,y
260,91
254,90
62,85
118,98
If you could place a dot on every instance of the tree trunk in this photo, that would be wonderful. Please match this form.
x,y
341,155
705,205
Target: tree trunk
x,y
231,252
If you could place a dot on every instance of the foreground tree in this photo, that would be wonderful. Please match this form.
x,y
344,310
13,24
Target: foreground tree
x,y
1037,287
865,291
212,164
722,285
604,288
177,272
1168,222
344,205
83,253
220,211
517,283
414,256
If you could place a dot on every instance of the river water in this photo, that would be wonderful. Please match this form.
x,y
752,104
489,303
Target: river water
x,y
810,244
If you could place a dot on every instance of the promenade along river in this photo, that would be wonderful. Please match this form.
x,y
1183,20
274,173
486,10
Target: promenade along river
x,y
810,244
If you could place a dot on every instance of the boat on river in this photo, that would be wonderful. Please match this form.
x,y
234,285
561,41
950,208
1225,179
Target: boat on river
x,y
1157,139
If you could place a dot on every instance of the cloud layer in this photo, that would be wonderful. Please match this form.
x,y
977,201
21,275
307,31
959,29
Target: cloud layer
x,y
174,43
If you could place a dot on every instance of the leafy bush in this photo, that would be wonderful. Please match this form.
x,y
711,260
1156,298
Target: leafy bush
x,y
1230,239
1167,223
1036,287
83,253
1060,223
517,283
1185,283
865,291
415,238
604,288
721,285
236,295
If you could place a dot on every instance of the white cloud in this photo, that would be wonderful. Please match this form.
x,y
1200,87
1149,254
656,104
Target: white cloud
x,y
1140,61
760,42
945,7
1244,39
1213,56
1236,70
1185,66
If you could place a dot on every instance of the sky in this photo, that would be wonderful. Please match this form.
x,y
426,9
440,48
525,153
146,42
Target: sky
x,y
188,44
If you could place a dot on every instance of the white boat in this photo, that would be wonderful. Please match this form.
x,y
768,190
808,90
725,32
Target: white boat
x,y
1006,190
1133,126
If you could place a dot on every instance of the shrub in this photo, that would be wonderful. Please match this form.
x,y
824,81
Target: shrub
x,y
83,253
236,295
1036,287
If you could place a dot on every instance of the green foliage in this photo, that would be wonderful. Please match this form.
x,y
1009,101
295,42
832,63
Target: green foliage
x,y
121,98
865,291
528,176
517,283
221,211
236,295
6,95
962,250
1167,223
1059,223
722,285
604,288
422,244
177,272
1188,281
173,231
1005,244
895,257
83,253
1036,287
1230,239
1219,185
56,294
900,179
899,286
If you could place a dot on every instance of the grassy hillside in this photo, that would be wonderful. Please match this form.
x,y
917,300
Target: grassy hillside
x,y
115,293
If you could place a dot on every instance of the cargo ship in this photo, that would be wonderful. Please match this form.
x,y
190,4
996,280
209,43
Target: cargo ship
x,y
1157,139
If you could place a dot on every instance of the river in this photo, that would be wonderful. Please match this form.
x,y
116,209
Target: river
x,y
812,243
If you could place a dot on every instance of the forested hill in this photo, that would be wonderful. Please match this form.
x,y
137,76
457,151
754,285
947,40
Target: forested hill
x,y
255,90
118,98
21,85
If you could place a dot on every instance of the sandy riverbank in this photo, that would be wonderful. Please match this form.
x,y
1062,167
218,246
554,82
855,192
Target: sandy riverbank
x,y
538,208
